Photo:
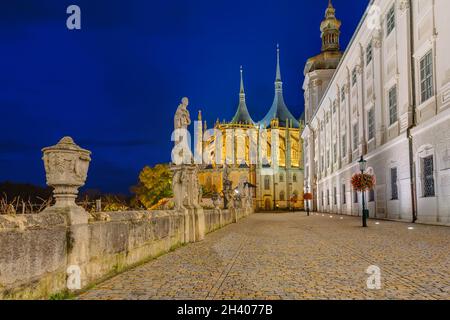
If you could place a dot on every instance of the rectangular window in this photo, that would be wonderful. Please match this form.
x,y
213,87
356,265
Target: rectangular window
x,y
354,76
369,54
328,158
344,145
426,77
335,196
322,198
428,177
372,195
355,196
328,197
355,136
342,93
393,105
390,20
371,121
334,153
394,187
344,198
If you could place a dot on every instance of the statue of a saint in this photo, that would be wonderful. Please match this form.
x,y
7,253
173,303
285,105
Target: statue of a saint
x,y
182,118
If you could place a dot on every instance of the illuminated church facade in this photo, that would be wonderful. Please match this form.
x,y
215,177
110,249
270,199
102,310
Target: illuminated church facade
x,y
267,154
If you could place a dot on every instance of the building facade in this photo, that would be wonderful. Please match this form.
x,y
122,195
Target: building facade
x,y
387,98
267,153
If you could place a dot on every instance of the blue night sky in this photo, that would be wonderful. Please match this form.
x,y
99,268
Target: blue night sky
x,y
115,85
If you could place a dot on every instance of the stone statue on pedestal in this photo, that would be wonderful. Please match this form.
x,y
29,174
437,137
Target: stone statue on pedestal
x,y
185,184
182,118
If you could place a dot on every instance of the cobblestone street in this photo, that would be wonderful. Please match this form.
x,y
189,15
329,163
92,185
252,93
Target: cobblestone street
x,y
292,256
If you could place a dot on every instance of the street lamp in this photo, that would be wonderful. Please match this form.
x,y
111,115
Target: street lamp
x,y
362,167
307,201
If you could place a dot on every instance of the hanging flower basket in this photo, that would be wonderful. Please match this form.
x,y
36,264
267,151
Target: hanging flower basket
x,y
363,182
308,196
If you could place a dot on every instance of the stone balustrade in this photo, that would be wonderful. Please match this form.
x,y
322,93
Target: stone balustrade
x,y
61,249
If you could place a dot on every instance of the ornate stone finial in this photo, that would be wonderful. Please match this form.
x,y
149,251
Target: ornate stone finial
x,y
66,166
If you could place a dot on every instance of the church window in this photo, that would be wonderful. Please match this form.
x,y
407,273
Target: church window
x,y
267,183
372,195
354,76
355,136
393,105
394,187
426,77
371,121
390,20
344,144
342,93
328,158
334,153
428,177
369,53
344,199
294,177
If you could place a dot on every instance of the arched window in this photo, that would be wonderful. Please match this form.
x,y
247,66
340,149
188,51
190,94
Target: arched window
x,y
294,178
266,182
281,195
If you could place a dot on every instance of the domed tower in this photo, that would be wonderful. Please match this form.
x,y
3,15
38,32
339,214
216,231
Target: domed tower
x,y
330,28
320,69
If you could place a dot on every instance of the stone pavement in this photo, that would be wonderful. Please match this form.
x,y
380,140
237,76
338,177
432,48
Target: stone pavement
x,y
292,256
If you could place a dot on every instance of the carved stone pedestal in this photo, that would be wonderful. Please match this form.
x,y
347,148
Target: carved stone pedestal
x,y
186,191
66,167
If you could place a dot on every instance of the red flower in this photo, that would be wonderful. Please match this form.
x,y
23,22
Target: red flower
x,y
363,182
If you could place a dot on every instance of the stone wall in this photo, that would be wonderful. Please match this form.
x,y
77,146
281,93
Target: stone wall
x,y
64,248
35,249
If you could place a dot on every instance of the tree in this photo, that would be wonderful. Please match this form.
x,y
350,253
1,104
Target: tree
x,y
154,184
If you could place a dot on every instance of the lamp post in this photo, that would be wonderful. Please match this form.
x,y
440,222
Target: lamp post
x,y
307,201
362,167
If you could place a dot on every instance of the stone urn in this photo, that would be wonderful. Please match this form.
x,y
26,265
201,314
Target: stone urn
x,y
66,167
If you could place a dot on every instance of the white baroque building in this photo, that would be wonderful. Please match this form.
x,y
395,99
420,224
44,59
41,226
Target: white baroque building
x,y
387,97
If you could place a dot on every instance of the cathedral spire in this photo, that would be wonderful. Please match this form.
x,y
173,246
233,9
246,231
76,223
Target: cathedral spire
x,y
242,92
278,82
278,76
242,116
278,110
